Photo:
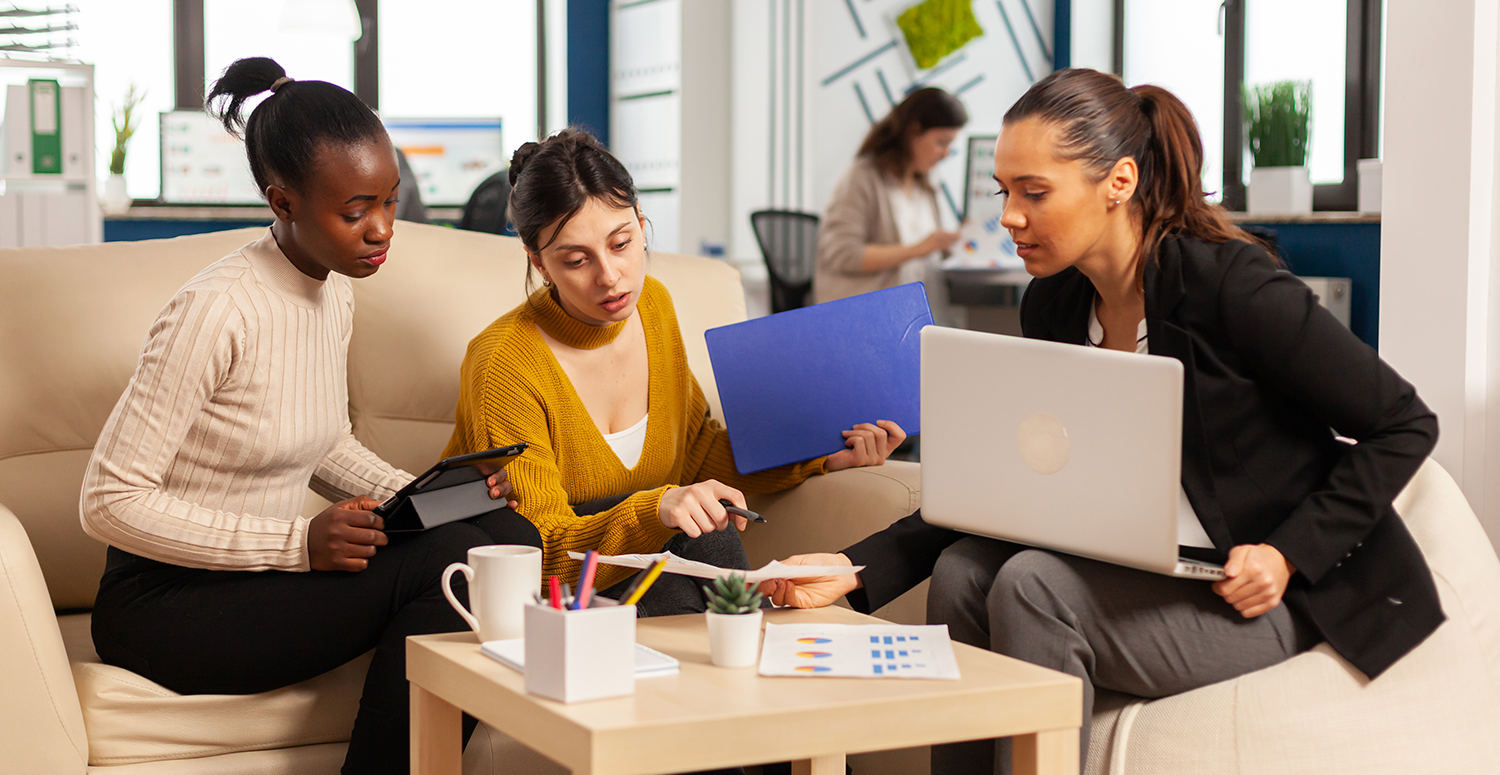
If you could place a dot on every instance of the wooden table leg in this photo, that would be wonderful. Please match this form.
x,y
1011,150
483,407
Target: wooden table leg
x,y
831,764
1046,753
437,745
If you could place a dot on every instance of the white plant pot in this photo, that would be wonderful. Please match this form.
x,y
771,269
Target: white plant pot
x,y
1369,185
115,200
733,639
1280,190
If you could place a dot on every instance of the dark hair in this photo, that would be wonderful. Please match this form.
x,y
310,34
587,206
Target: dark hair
x,y
552,180
889,141
1100,122
284,132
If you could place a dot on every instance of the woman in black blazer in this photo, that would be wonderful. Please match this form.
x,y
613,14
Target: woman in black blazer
x,y
1296,437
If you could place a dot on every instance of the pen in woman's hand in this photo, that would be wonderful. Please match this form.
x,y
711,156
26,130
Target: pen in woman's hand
x,y
739,512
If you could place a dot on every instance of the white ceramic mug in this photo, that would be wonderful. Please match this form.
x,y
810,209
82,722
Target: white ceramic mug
x,y
502,580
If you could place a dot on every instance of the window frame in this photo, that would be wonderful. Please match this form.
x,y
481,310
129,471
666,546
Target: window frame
x,y
189,62
1361,99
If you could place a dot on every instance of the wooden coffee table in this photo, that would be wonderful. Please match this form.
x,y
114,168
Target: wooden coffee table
x,y
709,717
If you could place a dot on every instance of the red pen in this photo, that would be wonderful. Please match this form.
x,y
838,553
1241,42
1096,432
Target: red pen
x,y
554,589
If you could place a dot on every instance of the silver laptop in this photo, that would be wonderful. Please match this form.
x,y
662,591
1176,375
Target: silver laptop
x,y
1070,448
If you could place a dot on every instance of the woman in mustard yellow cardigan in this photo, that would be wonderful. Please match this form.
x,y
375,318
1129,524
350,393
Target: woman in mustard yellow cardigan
x,y
590,372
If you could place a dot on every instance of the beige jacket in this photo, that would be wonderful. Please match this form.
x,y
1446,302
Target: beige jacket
x,y
858,214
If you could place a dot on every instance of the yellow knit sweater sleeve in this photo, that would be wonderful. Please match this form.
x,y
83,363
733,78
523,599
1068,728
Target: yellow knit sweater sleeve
x,y
511,391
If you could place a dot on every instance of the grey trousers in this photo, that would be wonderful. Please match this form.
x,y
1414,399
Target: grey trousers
x,y
1114,627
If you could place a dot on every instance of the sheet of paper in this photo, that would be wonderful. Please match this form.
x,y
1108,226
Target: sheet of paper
x,y
858,651
772,570
983,244
512,654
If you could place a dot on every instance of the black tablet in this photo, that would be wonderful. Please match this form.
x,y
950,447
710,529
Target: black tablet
x,y
453,489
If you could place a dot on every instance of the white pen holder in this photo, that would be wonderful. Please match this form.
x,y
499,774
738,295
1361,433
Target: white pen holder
x,y
580,655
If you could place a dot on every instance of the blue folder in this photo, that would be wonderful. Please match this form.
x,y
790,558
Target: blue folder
x,y
792,382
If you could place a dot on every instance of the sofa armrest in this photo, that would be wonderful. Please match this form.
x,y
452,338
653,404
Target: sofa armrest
x,y
831,512
41,723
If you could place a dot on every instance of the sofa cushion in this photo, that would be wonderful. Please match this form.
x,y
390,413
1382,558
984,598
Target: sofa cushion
x,y
130,719
71,331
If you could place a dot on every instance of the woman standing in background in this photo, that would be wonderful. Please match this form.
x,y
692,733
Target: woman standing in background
x,y
882,226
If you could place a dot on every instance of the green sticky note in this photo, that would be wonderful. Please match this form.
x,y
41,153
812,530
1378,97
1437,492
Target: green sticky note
x,y
936,28
46,127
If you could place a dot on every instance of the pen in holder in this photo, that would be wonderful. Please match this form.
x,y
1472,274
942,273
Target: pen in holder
x,y
583,654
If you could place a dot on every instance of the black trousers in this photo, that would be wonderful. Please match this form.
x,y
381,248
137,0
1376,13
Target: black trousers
x,y
244,632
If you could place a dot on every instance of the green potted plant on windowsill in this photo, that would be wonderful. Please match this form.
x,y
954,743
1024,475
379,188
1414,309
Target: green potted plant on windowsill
x,y
1278,120
734,619
116,199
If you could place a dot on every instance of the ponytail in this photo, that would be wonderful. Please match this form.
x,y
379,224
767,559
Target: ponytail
x,y
1170,195
285,131
1100,122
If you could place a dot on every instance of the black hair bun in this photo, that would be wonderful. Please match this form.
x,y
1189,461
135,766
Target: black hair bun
x,y
520,157
241,80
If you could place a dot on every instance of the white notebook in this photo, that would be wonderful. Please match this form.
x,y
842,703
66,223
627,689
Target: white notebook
x,y
648,661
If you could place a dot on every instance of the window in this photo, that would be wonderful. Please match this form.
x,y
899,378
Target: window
x,y
1335,44
488,66
233,29
128,43
1177,45
1298,40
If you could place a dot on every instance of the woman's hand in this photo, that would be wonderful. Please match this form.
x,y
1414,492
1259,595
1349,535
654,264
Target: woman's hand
x,y
868,445
345,535
938,240
815,591
499,482
1255,578
696,510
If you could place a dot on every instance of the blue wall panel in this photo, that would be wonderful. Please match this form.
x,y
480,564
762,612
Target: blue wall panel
x,y
588,66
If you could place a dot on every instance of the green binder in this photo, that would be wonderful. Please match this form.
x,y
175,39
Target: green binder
x,y
46,127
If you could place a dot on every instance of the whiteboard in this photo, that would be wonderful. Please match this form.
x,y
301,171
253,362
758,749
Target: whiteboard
x,y
983,243
201,163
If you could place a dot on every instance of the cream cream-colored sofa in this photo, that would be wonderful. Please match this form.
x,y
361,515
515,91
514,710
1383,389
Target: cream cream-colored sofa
x,y
71,325
72,321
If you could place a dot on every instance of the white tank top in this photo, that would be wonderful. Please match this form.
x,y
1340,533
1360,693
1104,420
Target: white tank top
x,y
628,443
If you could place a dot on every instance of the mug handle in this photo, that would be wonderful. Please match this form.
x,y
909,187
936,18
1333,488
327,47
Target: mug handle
x,y
448,591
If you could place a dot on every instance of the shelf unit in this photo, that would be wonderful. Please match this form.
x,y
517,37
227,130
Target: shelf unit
x,y
49,209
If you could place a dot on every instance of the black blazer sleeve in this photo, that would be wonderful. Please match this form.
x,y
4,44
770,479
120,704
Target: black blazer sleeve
x,y
896,559
1295,347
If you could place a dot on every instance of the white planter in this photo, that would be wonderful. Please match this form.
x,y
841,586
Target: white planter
x,y
1280,190
1369,185
733,639
115,200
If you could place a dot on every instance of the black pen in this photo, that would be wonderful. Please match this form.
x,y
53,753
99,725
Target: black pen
x,y
739,512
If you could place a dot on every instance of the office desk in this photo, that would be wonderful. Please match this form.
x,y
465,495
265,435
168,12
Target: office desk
x,y
709,717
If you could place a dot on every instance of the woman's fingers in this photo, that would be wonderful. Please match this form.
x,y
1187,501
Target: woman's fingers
x,y
894,433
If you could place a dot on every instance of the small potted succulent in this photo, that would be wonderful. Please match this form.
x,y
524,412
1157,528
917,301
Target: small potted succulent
x,y
733,621
1278,117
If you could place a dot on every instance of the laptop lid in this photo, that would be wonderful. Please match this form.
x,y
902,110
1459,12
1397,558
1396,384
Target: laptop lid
x,y
1057,446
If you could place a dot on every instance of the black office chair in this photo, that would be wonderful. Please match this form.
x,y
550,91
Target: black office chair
x,y
789,242
485,210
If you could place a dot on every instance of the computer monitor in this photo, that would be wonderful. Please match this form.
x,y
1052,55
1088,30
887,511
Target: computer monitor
x,y
201,163
450,156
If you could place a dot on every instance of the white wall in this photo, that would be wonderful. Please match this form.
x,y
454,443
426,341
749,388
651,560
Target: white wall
x,y
797,121
1440,318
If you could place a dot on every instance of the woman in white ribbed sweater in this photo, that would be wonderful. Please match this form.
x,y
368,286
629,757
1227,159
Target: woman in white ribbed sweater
x,y
215,583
